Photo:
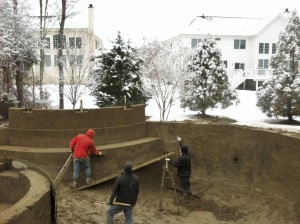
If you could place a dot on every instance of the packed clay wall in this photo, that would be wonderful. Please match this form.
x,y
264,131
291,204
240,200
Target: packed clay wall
x,y
55,128
3,136
20,185
74,119
29,194
256,157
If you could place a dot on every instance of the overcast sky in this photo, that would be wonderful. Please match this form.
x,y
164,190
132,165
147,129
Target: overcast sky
x,y
164,19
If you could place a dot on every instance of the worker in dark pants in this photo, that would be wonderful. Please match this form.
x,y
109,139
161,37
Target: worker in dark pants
x,y
183,165
125,191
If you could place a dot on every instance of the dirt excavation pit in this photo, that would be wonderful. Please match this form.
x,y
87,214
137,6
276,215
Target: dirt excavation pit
x,y
216,201
244,181
240,175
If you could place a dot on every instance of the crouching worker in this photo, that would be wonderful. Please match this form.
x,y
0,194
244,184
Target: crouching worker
x,y
125,193
82,146
183,164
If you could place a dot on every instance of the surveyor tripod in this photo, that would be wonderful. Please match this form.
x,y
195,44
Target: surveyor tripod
x,y
167,174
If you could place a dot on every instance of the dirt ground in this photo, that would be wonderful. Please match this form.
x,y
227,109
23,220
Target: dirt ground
x,y
215,201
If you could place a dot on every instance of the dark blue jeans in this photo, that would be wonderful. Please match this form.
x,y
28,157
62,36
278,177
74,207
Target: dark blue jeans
x,y
115,209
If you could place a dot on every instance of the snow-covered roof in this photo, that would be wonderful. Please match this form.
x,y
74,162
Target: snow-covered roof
x,y
234,26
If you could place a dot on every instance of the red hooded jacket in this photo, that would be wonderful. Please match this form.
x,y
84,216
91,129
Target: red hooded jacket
x,y
83,145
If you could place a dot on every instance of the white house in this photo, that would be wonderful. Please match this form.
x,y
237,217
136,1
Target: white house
x,y
247,44
79,43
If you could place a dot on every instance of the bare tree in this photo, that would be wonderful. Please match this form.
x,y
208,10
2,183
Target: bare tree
x,y
45,22
65,12
60,52
77,68
163,73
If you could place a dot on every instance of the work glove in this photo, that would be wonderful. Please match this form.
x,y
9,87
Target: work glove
x,y
178,138
100,153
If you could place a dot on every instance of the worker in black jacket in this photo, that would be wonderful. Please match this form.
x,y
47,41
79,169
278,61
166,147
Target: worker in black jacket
x,y
183,164
125,192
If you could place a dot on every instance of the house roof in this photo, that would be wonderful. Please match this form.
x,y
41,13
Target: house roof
x,y
233,26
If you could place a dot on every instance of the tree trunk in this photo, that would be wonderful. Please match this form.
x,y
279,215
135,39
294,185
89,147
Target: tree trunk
x,y
42,53
60,54
42,64
7,79
289,109
19,85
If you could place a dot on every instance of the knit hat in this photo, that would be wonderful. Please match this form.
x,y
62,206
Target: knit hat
x,y
128,167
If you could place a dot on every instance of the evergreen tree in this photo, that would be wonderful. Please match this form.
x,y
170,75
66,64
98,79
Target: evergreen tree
x,y
117,74
18,46
207,84
280,96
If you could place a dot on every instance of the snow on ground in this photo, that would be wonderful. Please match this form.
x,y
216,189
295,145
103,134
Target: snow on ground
x,y
245,113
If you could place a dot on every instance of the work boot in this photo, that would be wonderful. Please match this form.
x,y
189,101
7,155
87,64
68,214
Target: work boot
x,y
74,185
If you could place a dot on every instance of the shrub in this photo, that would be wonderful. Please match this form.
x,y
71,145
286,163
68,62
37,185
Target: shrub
x,y
6,101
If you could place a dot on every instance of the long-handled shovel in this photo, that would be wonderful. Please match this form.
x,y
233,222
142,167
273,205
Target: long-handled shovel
x,y
63,169
114,203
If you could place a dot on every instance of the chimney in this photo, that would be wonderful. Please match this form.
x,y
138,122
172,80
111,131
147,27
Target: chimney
x,y
91,18
287,13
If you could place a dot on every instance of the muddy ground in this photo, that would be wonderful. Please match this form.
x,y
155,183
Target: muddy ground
x,y
215,201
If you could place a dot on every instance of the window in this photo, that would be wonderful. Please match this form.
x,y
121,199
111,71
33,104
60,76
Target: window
x,y
56,41
239,44
47,42
263,48
47,60
217,39
79,59
273,48
71,42
195,42
239,66
56,60
71,59
75,60
78,42
225,64
263,63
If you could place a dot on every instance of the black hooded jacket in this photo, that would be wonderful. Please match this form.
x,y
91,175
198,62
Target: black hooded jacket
x,y
183,164
126,188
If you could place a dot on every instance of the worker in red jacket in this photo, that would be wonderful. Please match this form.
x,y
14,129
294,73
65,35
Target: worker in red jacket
x,y
82,145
